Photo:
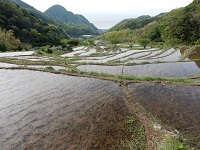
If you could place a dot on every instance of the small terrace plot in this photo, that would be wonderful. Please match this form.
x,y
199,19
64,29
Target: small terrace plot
x,y
24,59
178,69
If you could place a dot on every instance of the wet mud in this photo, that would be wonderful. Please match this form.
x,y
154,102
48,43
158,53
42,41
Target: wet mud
x,y
178,106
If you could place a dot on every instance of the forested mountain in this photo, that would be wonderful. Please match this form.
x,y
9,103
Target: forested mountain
x,y
27,27
136,23
180,25
75,27
60,13
40,15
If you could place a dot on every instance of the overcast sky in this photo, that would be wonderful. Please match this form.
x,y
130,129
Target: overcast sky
x,y
106,13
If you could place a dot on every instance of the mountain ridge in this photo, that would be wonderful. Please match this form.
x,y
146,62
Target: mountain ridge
x,y
63,15
27,27
72,29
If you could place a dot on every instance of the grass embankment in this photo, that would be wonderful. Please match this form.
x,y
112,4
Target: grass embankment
x,y
126,78
132,78
138,137
172,143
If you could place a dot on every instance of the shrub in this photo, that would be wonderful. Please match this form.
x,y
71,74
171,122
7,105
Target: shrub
x,y
73,42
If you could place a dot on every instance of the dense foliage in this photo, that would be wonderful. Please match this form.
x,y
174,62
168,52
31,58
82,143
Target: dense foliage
x,y
8,41
178,26
74,25
61,14
181,25
27,27
137,23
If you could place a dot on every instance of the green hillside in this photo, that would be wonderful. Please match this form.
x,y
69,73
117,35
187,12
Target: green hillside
x,y
75,27
179,26
34,11
27,27
136,23
73,21
60,13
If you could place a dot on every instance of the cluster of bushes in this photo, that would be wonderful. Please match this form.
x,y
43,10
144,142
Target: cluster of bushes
x,y
70,43
8,41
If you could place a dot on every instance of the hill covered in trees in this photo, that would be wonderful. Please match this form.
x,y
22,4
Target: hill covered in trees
x,y
61,14
74,25
180,25
135,23
27,27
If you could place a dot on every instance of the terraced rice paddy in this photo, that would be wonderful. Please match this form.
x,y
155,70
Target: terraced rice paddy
x,y
42,110
120,61
142,62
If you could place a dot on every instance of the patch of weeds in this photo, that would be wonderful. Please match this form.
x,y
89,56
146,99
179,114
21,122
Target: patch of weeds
x,y
171,143
130,120
147,78
49,68
101,74
131,64
73,70
113,62
74,59
138,138
62,70
197,75
145,62
159,62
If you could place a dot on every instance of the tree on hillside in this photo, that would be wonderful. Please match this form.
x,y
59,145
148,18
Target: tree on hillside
x,y
196,1
144,41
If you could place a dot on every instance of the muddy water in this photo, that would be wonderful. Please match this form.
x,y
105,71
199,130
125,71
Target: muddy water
x,y
46,111
178,69
176,105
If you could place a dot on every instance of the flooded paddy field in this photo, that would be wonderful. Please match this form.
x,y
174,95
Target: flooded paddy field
x,y
177,106
41,110
47,111
7,65
13,54
178,69
140,62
